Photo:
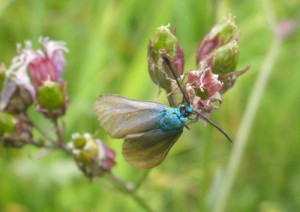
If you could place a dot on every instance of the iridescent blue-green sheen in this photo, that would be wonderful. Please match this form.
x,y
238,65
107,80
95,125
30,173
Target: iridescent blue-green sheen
x,y
172,119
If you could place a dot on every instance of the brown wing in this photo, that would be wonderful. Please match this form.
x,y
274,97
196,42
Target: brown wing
x,y
146,150
120,116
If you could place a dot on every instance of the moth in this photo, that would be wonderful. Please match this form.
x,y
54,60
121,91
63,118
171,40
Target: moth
x,y
149,129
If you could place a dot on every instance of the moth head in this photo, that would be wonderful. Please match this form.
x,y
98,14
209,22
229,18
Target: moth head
x,y
185,110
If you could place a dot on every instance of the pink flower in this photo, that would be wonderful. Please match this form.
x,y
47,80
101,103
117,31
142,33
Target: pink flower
x,y
42,65
203,90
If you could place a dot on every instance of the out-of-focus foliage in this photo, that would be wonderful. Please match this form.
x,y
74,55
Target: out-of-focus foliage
x,y
108,49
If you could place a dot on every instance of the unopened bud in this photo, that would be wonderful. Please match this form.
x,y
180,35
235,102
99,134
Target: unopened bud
x,y
7,123
225,58
221,34
225,29
79,142
15,130
164,43
50,95
19,101
164,39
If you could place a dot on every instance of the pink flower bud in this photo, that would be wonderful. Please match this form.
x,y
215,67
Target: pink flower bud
x,y
221,34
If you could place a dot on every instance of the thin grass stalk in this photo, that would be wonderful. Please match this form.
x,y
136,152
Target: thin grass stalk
x,y
250,113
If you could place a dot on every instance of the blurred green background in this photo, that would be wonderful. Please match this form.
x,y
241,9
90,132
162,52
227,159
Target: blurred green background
x,y
107,42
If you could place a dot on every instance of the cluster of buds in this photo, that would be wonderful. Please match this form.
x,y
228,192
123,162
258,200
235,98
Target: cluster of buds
x,y
34,77
216,61
219,50
92,156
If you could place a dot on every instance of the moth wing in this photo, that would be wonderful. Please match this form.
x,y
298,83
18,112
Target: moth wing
x,y
120,116
146,150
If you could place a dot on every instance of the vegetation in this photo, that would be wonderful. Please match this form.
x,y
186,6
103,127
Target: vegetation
x,y
108,54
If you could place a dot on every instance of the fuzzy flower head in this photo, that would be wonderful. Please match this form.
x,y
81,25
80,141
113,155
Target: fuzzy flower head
x,y
92,156
42,64
203,89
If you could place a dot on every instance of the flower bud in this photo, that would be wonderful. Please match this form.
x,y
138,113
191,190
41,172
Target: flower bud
x,y
92,156
164,39
224,60
15,131
50,95
225,30
221,34
164,43
7,123
19,101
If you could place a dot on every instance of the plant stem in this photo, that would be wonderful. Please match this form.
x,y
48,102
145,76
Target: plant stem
x,y
127,189
60,136
38,144
250,112
41,131
214,10
142,179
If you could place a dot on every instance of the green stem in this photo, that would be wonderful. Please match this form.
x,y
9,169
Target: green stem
x,y
214,11
38,144
248,118
128,189
60,136
41,131
142,179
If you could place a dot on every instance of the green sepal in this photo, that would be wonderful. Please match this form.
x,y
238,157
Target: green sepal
x,y
225,58
50,95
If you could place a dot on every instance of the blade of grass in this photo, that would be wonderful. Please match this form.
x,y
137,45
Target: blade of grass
x,y
251,110
4,5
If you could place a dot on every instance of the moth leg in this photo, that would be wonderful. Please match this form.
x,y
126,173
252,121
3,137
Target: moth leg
x,y
186,126
158,94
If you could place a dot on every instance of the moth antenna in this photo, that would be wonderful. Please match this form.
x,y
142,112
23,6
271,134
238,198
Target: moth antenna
x,y
216,125
174,75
